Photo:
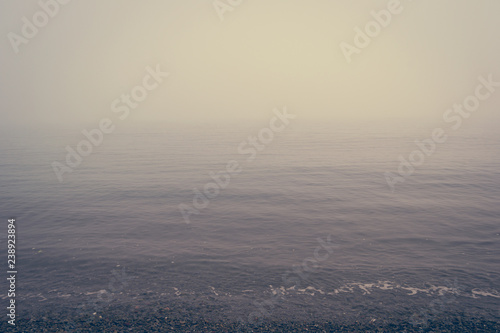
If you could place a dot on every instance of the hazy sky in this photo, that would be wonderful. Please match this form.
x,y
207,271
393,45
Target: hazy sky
x,y
265,53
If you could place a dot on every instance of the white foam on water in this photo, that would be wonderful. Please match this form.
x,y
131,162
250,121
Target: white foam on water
x,y
352,287
368,288
479,292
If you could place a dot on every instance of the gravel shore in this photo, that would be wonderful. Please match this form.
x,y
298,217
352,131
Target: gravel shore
x,y
156,323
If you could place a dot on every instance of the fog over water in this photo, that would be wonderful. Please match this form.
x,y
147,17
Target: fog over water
x,y
177,161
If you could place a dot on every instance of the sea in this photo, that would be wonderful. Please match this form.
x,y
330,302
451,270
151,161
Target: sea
x,y
151,232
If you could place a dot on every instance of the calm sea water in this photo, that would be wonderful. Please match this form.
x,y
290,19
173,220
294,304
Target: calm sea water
x,y
112,234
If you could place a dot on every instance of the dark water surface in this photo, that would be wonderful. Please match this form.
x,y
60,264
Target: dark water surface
x,y
111,242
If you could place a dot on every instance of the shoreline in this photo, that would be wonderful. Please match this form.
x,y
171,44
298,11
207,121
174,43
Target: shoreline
x,y
158,322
